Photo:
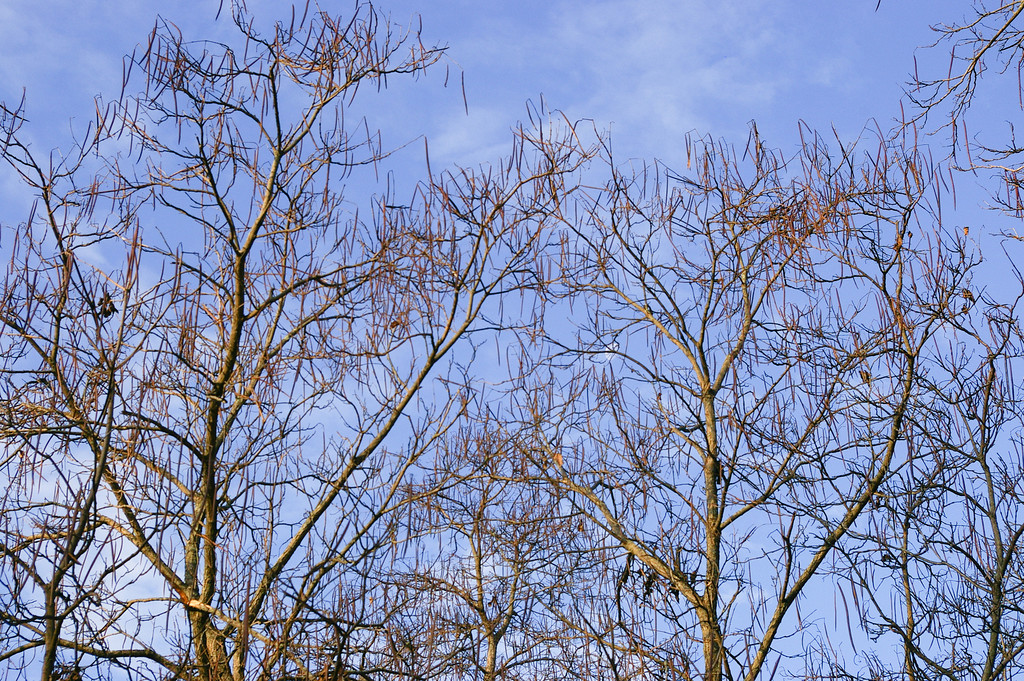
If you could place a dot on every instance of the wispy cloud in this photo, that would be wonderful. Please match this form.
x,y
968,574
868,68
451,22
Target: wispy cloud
x,y
651,71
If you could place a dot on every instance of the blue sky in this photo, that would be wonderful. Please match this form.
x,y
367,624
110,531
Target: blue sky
x,y
650,71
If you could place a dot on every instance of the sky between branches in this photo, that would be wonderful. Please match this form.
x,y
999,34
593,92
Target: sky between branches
x,y
649,72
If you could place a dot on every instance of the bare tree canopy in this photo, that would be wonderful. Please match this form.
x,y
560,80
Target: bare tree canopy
x,y
556,417
202,477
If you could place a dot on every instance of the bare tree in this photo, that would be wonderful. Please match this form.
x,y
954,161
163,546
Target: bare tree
x,y
217,377
984,63
749,351
65,340
934,571
491,563
240,441
938,570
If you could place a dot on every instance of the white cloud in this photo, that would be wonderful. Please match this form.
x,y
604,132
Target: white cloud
x,y
654,70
